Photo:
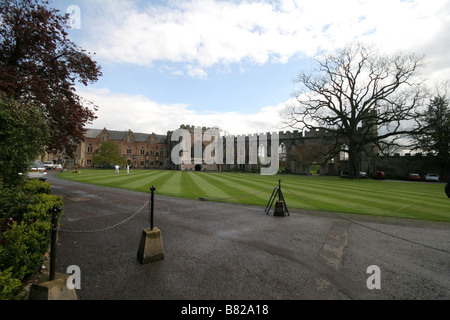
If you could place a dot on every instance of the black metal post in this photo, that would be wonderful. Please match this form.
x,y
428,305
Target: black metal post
x,y
53,241
152,189
279,189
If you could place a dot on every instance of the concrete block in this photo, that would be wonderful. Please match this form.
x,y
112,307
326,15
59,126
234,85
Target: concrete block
x,y
52,290
279,209
151,247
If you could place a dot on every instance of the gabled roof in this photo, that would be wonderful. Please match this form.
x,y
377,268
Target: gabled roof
x,y
120,135
92,133
117,135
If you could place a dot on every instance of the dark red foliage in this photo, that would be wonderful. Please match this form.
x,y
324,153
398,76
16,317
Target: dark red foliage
x,y
39,64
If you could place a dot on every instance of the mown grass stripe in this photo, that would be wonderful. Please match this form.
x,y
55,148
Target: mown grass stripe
x,y
383,198
356,194
241,184
340,201
227,188
204,187
260,184
169,183
144,181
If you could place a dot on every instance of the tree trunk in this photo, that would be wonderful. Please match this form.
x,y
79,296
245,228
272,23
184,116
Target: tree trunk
x,y
354,163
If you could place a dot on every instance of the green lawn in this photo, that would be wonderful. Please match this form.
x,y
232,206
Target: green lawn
x,y
383,198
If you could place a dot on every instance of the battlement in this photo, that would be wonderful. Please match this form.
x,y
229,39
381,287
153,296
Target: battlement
x,y
282,135
191,128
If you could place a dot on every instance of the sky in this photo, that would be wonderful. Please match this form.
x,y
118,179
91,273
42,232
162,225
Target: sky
x,y
232,64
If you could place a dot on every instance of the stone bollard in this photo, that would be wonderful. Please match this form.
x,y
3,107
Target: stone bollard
x,y
150,247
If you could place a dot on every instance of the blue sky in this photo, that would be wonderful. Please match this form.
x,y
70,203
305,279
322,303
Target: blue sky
x,y
231,64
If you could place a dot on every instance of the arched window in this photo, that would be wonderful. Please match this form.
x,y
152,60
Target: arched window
x,y
343,155
282,152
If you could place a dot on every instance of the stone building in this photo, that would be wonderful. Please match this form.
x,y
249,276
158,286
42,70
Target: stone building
x,y
141,150
298,151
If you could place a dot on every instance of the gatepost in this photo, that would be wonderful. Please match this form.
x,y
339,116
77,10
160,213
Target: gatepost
x,y
151,247
55,287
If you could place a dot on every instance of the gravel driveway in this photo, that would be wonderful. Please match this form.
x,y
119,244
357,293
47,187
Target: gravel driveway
x,y
222,251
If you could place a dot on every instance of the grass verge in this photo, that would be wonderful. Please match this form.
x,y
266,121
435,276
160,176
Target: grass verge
x,y
425,201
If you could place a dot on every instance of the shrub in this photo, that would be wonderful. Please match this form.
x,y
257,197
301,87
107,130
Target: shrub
x,y
32,187
39,207
25,225
24,247
9,286
27,202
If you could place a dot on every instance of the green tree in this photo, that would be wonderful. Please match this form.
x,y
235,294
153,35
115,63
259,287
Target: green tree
x,y
39,65
108,154
434,137
23,135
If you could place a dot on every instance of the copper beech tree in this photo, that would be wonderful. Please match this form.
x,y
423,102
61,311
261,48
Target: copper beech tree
x,y
362,100
39,65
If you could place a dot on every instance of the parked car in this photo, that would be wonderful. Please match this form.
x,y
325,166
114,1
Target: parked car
x,y
49,165
379,175
432,177
37,171
413,177
344,174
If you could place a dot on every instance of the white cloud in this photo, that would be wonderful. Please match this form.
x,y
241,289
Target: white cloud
x,y
187,37
140,114
196,72
205,33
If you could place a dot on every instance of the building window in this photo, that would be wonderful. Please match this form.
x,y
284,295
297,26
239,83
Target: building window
x,y
88,162
152,152
161,151
89,149
343,155
142,150
142,163
129,150
282,152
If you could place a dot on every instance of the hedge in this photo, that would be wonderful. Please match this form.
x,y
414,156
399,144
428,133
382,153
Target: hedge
x,y
25,233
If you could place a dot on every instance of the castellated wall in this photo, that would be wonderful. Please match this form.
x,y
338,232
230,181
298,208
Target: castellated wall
x,y
297,151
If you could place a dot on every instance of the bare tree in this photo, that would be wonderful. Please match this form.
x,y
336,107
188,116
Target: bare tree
x,y
363,101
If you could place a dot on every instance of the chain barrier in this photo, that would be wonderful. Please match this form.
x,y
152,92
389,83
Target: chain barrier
x,y
367,227
254,194
109,227
143,206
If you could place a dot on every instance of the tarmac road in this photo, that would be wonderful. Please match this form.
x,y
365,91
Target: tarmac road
x,y
222,251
